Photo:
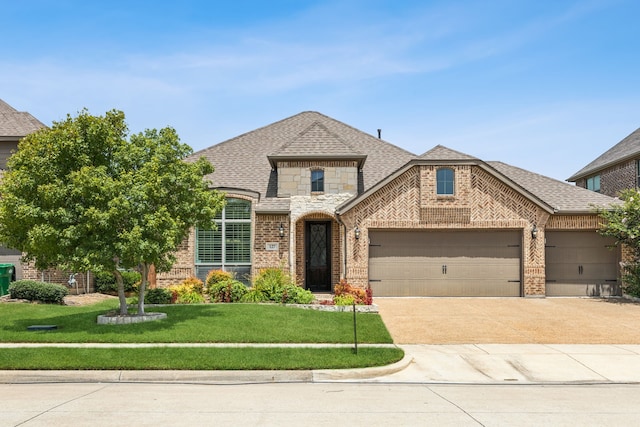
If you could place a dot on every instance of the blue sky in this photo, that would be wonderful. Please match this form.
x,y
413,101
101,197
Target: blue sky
x,y
543,85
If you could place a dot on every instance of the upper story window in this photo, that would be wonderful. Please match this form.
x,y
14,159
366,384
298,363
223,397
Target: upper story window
x,y
317,180
445,182
638,173
593,183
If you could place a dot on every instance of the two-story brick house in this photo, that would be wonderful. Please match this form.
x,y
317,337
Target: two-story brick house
x,y
326,201
615,170
14,125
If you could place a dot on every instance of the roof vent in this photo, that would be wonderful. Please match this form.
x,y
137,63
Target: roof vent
x,y
379,133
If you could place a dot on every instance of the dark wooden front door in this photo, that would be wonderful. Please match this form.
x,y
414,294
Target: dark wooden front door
x,y
318,256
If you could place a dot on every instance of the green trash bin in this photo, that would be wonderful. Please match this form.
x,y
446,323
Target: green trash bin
x,y
6,272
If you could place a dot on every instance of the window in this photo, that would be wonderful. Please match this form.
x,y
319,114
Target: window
x,y
445,181
317,180
637,173
229,246
593,183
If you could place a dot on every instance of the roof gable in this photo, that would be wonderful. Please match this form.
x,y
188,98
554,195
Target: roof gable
x,y
440,152
627,148
242,162
15,124
552,195
316,142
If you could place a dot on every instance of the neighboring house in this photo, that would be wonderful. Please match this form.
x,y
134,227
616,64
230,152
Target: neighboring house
x,y
615,170
14,125
326,201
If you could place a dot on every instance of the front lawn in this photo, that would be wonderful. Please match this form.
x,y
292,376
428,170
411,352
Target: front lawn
x,y
233,323
211,323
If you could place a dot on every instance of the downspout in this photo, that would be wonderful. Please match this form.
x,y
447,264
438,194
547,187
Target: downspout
x,y
344,247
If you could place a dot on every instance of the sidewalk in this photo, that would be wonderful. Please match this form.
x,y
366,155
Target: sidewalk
x,y
438,364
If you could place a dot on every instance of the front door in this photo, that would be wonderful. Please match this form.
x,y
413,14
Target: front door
x,y
318,256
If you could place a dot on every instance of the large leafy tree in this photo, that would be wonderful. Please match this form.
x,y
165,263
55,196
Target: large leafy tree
x,y
83,195
622,222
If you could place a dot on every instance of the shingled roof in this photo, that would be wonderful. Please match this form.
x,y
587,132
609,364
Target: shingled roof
x,y
559,195
16,124
243,162
624,150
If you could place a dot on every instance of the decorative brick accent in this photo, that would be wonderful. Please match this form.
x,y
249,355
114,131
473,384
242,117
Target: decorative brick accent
x,y
480,201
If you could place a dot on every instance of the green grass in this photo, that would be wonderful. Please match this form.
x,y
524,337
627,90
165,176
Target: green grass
x,y
207,323
233,323
195,358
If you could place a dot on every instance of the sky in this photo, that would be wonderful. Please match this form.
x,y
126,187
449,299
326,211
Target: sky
x,y
544,85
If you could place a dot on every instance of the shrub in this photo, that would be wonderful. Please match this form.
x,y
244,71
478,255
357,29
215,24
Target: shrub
x,y
277,286
254,295
216,276
158,296
106,282
294,294
31,290
631,279
358,295
189,291
227,291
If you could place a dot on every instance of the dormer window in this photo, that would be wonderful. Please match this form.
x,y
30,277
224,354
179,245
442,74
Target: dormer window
x,y
445,182
317,181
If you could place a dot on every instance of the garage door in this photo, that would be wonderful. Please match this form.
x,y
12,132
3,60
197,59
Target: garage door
x,y
581,263
438,263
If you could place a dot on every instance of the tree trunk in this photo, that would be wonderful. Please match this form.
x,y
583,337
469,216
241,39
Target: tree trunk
x,y
144,271
152,277
121,295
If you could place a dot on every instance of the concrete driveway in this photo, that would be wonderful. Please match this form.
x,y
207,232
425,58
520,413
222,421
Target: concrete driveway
x,y
511,320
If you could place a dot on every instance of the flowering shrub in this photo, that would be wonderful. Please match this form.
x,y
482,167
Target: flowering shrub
x,y
227,291
346,294
215,276
189,291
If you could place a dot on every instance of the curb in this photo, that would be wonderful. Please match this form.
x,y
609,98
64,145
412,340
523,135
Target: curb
x,y
321,375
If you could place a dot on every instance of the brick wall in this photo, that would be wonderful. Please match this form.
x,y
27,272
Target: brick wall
x,y
616,178
267,231
481,201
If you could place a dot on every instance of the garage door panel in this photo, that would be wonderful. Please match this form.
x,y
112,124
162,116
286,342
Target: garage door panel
x,y
434,263
581,263
450,288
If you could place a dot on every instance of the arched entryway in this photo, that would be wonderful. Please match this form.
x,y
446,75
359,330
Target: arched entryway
x,y
317,252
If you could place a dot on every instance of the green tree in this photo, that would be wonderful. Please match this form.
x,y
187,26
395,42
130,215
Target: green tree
x,y
83,196
622,222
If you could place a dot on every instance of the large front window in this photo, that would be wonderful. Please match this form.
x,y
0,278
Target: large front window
x,y
229,246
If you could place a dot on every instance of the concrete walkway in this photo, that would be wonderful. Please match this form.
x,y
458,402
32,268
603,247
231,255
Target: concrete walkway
x,y
430,364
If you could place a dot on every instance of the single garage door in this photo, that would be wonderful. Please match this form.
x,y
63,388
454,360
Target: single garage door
x,y
581,263
445,263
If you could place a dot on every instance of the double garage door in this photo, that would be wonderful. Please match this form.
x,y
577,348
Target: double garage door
x,y
445,263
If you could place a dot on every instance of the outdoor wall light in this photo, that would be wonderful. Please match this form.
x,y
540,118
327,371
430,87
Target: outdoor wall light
x,y
534,232
281,231
357,233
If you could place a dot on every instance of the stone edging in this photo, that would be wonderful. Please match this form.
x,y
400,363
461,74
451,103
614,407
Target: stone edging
x,y
128,319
